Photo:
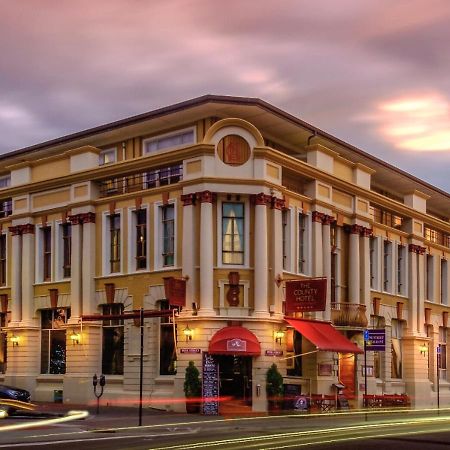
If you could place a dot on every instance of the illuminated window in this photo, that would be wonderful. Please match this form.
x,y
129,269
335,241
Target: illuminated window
x,y
141,239
233,239
396,349
114,243
107,156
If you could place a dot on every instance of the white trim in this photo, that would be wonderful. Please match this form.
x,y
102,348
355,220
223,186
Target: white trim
x,y
158,259
167,135
246,264
106,244
131,219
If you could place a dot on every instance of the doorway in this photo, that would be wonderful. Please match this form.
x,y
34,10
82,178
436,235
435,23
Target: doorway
x,y
235,374
347,374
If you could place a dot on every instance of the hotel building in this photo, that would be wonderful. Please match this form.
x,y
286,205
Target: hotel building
x,y
236,197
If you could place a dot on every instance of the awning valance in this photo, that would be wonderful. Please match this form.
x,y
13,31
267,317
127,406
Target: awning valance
x,y
234,341
324,336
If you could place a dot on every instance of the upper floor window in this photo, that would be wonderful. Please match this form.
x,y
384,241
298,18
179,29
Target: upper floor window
x,y
141,239
168,234
114,243
66,234
233,228
429,277
302,242
444,282
5,207
387,265
107,156
3,259
286,230
5,181
169,140
401,270
47,253
373,261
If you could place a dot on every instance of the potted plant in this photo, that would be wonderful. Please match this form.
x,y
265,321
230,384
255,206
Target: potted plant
x,y
192,388
274,388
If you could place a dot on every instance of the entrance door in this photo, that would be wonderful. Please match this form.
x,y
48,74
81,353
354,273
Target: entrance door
x,y
235,374
347,373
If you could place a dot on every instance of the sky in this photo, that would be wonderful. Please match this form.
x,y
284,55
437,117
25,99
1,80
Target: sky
x,y
374,73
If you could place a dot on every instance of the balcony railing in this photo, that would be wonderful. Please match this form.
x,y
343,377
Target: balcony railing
x,y
348,315
140,181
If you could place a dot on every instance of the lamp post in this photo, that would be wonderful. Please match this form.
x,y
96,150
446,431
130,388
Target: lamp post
x,y
438,368
102,383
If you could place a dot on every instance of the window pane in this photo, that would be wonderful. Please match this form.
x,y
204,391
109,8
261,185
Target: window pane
x,y
167,354
112,361
45,351
58,351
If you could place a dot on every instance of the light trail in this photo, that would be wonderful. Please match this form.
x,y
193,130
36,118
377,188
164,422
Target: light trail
x,y
368,429
71,415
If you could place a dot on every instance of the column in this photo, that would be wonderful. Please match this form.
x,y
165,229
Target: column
x,y
365,269
188,250
278,204
76,293
261,268
206,254
421,289
353,265
412,290
317,253
16,275
28,256
326,247
89,304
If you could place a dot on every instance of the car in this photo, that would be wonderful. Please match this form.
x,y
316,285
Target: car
x,y
12,393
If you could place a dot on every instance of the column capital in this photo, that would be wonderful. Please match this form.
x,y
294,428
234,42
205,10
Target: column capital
x,y
413,248
88,217
278,203
15,230
328,220
28,228
188,199
318,217
76,219
206,196
261,199
354,229
366,232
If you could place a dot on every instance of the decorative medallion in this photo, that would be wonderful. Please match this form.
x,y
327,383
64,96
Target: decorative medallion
x,y
233,150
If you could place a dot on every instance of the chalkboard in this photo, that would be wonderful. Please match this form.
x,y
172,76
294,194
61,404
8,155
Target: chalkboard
x,y
210,385
342,402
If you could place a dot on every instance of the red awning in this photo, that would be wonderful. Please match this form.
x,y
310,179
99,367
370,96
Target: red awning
x,y
324,336
234,341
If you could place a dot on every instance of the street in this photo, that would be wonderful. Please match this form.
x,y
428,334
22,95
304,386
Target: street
x,y
416,429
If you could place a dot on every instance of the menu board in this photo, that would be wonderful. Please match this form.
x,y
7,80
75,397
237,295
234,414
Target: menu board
x,y
210,385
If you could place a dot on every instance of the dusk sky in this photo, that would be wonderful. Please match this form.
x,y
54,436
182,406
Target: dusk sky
x,y
375,73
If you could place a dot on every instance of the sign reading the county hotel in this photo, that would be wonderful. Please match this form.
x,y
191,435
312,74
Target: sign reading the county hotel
x,y
306,295
175,291
210,385
236,345
375,340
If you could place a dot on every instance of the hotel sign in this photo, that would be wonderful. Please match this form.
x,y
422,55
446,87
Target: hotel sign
x,y
175,291
236,345
306,295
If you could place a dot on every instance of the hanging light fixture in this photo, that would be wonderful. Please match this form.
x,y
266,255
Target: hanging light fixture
x,y
188,333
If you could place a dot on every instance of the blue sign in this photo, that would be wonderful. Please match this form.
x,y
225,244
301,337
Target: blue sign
x,y
376,340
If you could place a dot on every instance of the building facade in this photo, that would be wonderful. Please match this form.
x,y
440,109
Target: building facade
x,y
235,197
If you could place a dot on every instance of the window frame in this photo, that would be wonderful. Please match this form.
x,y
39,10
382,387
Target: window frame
x,y
171,134
132,239
63,271
107,151
3,259
158,235
113,324
7,180
306,244
106,240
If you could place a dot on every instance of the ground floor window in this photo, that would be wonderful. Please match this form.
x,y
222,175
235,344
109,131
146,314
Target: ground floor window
x,y
396,350
442,355
113,341
167,348
3,343
53,340
294,344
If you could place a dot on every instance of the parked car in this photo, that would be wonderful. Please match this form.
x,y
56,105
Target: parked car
x,y
13,393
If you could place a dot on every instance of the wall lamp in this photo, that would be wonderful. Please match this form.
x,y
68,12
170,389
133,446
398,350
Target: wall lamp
x,y
279,335
75,337
14,340
423,349
188,333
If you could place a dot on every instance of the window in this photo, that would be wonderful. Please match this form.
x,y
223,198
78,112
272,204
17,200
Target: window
x,y
66,234
141,239
444,282
3,260
47,253
172,140
334,261
114,243
168,235
113,340
387,261
5,181
53,340
429,277
401,270
396,349
286,230
107,156
167,349
302,243
373,261
5,207
3,342
296,364
442,353
233,226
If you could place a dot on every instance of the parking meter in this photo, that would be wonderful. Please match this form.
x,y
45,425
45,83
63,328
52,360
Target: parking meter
x,y
94,380
102,380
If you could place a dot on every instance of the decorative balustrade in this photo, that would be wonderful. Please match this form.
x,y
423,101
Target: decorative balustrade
x,y
348,315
